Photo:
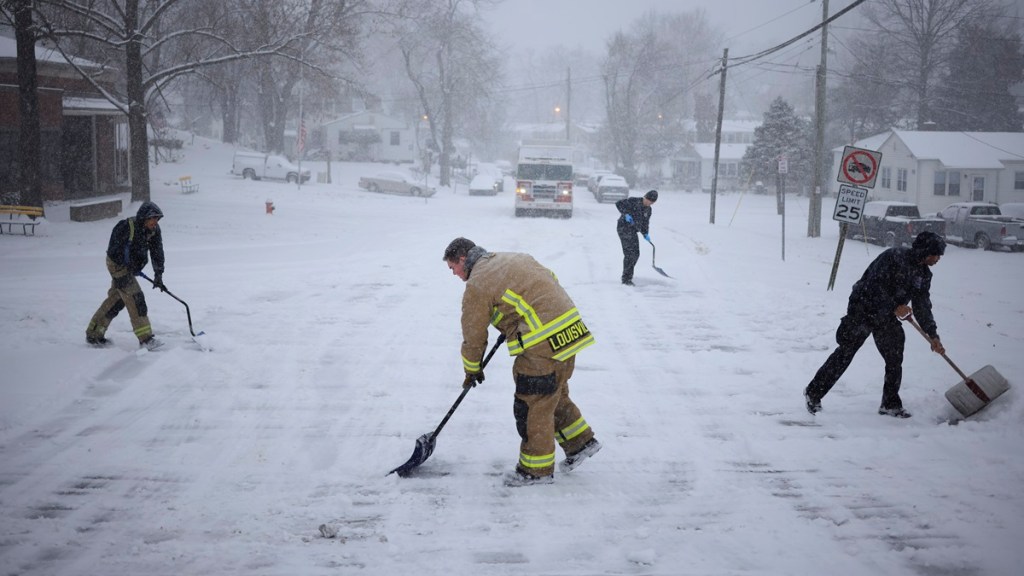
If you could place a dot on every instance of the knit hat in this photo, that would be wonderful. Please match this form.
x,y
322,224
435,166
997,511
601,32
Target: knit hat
x,y
652,195
929,244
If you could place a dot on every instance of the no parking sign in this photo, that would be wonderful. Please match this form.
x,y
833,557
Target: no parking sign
x,y
859,167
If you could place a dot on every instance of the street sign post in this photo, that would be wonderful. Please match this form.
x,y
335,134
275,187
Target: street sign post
x,y
857,172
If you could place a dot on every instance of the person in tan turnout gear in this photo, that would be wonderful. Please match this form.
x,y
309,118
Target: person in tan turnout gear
x,y
132,241
544,332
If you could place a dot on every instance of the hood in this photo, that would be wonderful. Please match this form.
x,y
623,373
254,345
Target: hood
x,y
148,210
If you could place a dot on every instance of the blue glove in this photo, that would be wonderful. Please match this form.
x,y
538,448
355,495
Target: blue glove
x,y
647,237
628,218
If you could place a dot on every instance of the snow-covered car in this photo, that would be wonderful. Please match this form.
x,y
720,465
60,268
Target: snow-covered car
x,y
611,188
486,184
396,183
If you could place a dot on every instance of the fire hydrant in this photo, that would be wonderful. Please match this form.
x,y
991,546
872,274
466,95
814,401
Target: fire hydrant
x,y
270,207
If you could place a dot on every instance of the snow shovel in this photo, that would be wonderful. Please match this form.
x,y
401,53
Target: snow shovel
x,y
656,269
974,392
425,444
195,337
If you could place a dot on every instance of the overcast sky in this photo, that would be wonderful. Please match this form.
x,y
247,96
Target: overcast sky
x,y
749,25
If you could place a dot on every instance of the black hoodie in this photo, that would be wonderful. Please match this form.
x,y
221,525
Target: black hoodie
x,y
131,244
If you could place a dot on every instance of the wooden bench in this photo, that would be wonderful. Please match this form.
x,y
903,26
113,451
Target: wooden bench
x,y
24,216
187,187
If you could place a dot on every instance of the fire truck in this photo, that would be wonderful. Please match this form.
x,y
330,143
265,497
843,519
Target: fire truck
x,y
544,179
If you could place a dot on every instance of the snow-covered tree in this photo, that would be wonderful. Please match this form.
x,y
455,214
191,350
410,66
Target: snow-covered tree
x,y
782,134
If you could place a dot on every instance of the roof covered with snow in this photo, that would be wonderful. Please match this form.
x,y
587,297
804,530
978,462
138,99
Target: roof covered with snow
x,y
9,49
979,150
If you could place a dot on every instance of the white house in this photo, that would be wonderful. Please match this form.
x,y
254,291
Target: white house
x,y
370,136
935,169
695,169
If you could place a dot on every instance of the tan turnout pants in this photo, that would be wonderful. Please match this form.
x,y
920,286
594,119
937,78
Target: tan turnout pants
x,y
124,292
545,413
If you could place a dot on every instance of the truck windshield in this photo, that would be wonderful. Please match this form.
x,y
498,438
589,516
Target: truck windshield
x,y
544,172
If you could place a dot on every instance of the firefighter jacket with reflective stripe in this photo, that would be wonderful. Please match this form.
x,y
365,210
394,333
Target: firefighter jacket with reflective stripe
x,y
525,302
131,245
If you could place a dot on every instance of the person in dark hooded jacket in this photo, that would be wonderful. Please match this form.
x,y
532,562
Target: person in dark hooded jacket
x,y
635,216
878,302
132,242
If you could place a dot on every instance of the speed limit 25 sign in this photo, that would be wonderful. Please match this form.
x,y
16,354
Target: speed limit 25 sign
x,y
850,204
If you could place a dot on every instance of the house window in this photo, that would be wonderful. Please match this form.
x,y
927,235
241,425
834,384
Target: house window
x,y
947,183
1018,180
901,179
939,188
121,157
396,138
886,177
954,183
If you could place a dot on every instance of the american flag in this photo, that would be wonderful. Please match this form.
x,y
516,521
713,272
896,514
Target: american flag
x,y
300,145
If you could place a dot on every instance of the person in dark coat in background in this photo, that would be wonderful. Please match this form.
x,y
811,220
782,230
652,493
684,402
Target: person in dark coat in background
x,y
132,241
635,216
877,304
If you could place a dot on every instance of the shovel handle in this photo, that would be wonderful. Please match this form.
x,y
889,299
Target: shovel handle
x,y
914,323
501,338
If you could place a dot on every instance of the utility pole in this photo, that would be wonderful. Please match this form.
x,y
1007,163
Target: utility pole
x,y
818,184
568,104
718,132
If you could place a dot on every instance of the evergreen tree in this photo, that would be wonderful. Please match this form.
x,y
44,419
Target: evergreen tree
x,y
975,92
783,133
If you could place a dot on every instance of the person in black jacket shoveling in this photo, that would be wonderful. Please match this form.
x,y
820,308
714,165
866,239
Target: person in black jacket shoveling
x,y
877,304
635,217
131,242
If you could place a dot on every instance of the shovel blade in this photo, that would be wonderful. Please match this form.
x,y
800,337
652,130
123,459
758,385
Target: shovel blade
x,y
202,341
424,448
979,390
660,271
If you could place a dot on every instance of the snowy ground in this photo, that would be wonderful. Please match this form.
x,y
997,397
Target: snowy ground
x,y
336,334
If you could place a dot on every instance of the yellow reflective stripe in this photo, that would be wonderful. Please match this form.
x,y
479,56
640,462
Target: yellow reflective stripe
x,y
534,462
496,317
573,430
537,336
470,366
146,330
569,352
522,308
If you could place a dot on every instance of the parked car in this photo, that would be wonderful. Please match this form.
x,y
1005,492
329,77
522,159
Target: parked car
x,y
595,179
893,223
982,225
395,183
486,184
612,189
256,166
1012,209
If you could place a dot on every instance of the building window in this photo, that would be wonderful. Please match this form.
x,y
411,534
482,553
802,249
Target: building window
x,y
396,138
947,183
886,177
121,158
901,179
1018,180
939,188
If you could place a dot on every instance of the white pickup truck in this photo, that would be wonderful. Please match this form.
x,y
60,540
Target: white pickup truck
x,y
256,166
982,225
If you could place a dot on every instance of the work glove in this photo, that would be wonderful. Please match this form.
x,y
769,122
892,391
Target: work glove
x,y
158,282
647,237
472,379
628,218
